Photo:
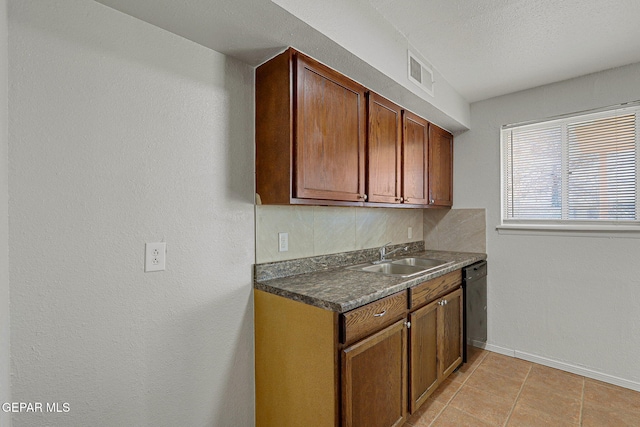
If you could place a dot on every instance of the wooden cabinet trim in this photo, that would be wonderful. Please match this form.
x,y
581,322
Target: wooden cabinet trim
x,y
440,167
348,101
430,364
274,129
360,322
423,374
350,354
302,338
384,150
415,159
432,289
280,170
450,332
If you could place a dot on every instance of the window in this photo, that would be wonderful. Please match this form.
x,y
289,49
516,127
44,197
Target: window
x,y
578,170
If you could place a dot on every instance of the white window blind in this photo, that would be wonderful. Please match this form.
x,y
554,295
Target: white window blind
x,y
578,170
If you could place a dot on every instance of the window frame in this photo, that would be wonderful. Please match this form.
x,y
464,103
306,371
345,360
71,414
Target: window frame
x,y
607,228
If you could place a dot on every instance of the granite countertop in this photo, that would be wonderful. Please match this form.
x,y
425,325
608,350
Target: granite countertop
x,y
340,290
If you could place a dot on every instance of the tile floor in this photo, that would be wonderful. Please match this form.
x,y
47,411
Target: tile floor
x,y
496,390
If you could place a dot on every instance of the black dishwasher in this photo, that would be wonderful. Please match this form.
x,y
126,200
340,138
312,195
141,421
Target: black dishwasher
x,y
474,321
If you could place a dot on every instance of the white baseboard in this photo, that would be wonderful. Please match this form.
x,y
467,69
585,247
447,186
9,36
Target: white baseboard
x,y
493,348
579,370
567,367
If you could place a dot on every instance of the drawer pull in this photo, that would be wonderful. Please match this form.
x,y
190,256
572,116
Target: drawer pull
x,y
380,314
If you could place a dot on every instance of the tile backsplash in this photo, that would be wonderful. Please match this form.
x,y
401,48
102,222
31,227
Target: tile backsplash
x,y
321,230
461,230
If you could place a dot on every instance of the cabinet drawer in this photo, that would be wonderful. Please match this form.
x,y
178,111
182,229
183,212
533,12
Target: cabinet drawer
x,y
428,291
362,321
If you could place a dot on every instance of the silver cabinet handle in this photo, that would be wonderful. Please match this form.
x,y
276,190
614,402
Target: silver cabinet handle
x,y
363,197
432,201
407,324
380,314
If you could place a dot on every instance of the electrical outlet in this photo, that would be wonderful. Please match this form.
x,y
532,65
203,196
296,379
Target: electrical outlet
x,y
283,242
409,232
155,256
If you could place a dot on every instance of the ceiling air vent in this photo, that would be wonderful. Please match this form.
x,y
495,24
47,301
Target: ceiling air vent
x,y
420,74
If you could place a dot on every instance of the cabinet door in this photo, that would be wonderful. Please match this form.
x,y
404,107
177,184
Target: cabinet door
x,y
384,138
329,134
450,332
415,177
374,383
423,361
440,167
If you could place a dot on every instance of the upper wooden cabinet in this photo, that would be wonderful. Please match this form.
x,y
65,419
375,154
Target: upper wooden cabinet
x,y
330,133
384,150
318,136
415,175
397,154
440,167
310,132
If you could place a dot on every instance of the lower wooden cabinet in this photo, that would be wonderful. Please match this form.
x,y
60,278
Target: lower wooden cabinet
x,y
369,367
374,379
435,345
449,333
423,356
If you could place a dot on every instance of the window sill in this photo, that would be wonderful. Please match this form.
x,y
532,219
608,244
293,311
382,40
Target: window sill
x,y
608,231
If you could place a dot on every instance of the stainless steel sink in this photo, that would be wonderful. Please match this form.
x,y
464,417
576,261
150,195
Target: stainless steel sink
x,y
421,262
393,269
404,267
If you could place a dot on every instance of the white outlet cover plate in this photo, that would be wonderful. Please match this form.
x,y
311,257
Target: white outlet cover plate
x,y
283,242
155,256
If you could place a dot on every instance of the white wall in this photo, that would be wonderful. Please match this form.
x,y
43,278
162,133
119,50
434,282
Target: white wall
x,y
360,29
122,133
5,382
572,300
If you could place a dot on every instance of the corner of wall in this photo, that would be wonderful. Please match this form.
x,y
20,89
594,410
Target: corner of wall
x,y
458,230
5,379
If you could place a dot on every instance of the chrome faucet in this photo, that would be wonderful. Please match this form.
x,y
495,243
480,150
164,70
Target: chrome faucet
x,y
384,253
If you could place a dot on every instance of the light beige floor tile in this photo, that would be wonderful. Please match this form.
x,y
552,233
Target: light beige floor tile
x,y
445,391
559,406
493,389
452,417
475,356
598,416
526,416
507,366
482,405
555,381
611,396
494,383
426,414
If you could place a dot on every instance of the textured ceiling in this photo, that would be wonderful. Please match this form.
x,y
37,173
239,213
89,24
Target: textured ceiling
x,y
486,48
483,48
